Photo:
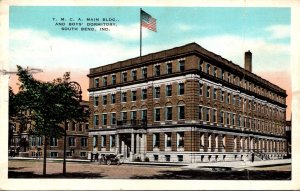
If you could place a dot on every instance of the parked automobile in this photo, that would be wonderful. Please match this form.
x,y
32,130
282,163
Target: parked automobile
x,y
111,159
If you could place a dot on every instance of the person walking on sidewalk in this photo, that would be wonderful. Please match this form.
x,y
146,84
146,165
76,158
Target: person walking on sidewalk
x,y
252,156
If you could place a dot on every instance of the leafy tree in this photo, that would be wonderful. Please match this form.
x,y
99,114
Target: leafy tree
x,y
51,104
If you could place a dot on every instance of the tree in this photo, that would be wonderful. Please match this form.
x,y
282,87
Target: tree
x,y
51,103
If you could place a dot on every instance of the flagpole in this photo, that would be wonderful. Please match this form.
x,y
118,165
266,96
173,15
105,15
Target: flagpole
x,y
141,32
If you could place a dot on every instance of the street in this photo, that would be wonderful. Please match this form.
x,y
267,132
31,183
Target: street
x,y
33,169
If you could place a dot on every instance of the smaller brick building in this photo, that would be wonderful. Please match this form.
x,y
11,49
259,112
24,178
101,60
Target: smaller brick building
x,y
26,145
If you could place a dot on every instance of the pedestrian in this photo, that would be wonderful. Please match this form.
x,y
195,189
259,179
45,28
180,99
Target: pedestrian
x,y
97,156
92,157
252,156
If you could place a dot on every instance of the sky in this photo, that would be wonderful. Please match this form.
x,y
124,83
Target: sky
x,y
38,41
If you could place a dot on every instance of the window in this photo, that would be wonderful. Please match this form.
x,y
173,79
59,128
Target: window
x,y
83,142
222,117
181,114
53,154
104,119
181,88
169,113
228,98
103,141
113,79
124,77
180,158
181,65
53,142
82,154
215,93
168,158
208,91
133,96
180,139
96,82
228,77
214,115
167,139
169,68
201,65
95,141
207,114
86,126
207,68
157,92
113,119
124,97
232,119
133,75
222,74
155,140
157,70
96,101
155,157
80,127
144,114
104,81
39,141
96,120
133,115
33,141
215,71
104,99
73,126
157,114
223,95
112,141
113,98
71,141
200,112
169,90
200,89
124,115
233,99
144,94
224,141
201,140
144,73
227,119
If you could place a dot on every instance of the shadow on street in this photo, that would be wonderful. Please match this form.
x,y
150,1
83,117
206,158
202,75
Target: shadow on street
x,y
225,175
16,174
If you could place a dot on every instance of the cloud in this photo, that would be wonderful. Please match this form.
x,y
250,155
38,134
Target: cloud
x,y
185,27
279,31
127,32
265,55
39,49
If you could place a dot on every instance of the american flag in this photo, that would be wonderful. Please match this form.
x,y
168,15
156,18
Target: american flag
x,y
148,21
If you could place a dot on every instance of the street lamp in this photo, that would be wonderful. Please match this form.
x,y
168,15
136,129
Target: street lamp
x,y
77,88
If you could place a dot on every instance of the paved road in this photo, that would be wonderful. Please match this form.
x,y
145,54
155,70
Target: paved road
x,y
33,169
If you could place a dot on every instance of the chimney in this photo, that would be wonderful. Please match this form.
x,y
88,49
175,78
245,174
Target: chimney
x,y
248,61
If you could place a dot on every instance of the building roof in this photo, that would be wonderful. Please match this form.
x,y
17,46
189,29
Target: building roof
x,y
176,52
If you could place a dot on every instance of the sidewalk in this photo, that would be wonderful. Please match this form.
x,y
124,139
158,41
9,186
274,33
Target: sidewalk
x,y
48,159
228,165
239,164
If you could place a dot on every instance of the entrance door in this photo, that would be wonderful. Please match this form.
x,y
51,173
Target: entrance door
x,y
125,144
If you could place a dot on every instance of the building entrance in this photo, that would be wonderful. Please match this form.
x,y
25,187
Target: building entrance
x,y
132,145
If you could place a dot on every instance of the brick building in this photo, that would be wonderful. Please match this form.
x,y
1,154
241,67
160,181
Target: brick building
x,y
26,145
185,104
